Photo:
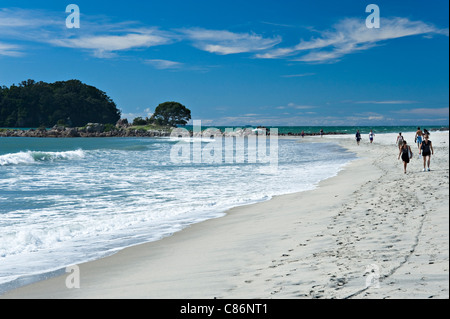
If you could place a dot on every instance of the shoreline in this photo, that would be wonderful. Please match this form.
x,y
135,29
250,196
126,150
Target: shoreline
x,y
301,245
92,130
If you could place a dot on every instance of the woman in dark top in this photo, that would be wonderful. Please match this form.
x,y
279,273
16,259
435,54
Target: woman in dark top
x,y
426,148
406,154
358,137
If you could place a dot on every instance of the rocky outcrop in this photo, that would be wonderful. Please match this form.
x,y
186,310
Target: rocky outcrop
x,y
442,129
90,130
122,123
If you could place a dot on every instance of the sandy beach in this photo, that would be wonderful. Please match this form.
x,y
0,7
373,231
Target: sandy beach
x,y
370,232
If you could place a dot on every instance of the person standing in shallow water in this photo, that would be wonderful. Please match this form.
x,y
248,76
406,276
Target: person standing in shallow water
x,y
406,154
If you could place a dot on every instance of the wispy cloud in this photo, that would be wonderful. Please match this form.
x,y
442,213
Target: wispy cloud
x,y
225,42
387,102
104,39
311,119
99,36
295,106
425,112
10,50
15,24
351,35
14,19
367,116
107,45
279,24
297,75
164,64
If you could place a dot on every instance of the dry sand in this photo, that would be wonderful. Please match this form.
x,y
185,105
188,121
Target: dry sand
x,y
369,222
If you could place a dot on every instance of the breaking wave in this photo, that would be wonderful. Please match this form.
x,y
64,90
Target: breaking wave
x,y
31,157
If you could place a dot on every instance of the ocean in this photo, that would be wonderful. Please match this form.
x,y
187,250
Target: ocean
x,y
67,201
340,129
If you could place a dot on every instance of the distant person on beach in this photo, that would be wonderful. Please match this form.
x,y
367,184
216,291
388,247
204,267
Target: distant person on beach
x,y
400,140
321,132
303,134
358,137
371,135
419,136
426,147
406,154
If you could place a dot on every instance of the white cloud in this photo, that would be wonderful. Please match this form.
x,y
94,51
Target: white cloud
x,y
10,50
295,106
164,64
13,19
426,111
387,102
225,42
131,116
376,118
106,45
105,39
349,36
15,24
297,75
97,35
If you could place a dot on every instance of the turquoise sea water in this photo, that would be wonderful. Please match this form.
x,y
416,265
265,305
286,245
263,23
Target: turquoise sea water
x,y
65,201
338,129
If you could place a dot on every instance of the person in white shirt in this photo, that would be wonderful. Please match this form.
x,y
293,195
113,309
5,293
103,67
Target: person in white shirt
x,y
400,140
371,135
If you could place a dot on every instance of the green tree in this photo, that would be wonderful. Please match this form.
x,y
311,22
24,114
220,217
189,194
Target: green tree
x,y
171,113
32,104
139,121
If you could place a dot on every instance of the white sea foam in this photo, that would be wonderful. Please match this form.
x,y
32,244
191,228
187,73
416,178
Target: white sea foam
x,y
123,196
31,157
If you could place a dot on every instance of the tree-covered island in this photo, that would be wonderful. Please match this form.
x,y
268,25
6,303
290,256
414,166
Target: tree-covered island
x,y
75,109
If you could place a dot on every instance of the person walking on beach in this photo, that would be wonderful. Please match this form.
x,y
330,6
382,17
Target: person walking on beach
x,y
400,140
426,147
406,154
371,135
419,136
321,132
303,134
358,137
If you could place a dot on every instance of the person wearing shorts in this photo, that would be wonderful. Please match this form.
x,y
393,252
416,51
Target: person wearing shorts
x,y
426,148
371,135
358,137
419,135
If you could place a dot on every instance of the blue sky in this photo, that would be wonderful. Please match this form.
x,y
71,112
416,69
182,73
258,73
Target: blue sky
x,y
242,62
